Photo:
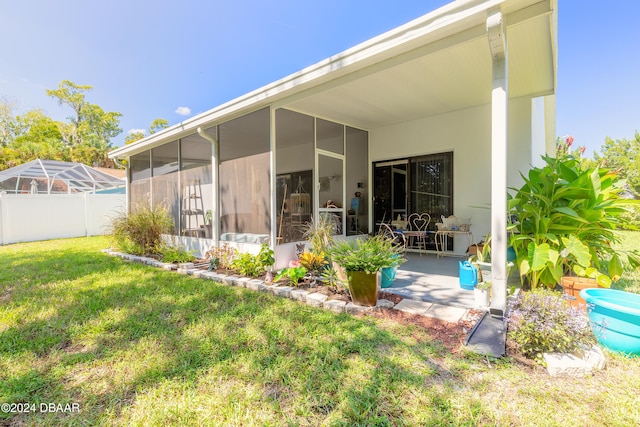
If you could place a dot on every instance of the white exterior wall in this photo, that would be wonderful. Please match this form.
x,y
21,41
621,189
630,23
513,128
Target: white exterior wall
x,y
467,133
27,218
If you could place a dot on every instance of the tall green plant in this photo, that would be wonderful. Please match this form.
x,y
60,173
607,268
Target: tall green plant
x,y
566,221
319,233
139,232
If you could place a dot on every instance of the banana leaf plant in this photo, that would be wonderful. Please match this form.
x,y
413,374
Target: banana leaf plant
x,y
565,223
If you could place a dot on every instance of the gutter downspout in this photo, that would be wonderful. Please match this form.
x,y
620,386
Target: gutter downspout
x,y
215,218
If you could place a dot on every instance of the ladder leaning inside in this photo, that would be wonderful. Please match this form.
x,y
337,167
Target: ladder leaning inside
x,y
192,211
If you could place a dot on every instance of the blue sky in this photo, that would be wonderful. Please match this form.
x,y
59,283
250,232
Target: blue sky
x,y
148,59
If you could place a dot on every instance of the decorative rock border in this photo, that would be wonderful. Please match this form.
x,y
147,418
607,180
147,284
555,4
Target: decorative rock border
x,y
313,299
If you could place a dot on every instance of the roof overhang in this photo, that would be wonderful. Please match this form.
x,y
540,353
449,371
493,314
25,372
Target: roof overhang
x,y
438,63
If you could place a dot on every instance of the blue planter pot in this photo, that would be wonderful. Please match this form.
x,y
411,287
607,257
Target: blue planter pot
x,y
615,318
388,276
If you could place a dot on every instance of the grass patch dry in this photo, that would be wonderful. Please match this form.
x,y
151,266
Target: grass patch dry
x,y
133,345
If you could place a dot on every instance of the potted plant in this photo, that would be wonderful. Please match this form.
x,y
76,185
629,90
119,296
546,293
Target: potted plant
x,y
566,217
362,259
482,293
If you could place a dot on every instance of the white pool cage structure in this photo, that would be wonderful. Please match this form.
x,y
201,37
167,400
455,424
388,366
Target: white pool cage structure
x,y
54,177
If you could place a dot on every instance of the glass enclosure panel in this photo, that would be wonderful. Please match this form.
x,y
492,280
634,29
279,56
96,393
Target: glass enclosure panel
x,y
140,188
196,194
329,136
164,182
140,165
330,190
294,169
244,199
245,192
139,194
357,166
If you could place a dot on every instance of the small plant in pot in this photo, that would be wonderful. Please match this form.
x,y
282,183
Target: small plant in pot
x,y
482,293
362,260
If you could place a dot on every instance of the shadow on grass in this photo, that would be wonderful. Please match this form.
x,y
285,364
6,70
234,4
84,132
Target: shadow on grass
x,y
115,331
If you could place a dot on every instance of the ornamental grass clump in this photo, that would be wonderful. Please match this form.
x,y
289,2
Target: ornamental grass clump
x,y
140,231
542,321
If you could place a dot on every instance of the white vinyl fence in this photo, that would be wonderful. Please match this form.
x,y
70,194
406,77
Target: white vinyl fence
x,y
31,217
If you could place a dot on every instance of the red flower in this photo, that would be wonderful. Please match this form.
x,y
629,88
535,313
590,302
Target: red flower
x,y
582,150
569,140
294,264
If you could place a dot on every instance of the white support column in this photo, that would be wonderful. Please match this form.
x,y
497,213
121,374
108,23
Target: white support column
x,y
215,205
499,108
273,178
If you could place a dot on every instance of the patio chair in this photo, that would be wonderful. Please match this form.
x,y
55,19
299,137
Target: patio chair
x,y
417,233
398,237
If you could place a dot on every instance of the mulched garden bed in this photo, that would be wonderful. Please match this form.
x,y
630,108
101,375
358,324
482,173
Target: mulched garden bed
x,y
451,335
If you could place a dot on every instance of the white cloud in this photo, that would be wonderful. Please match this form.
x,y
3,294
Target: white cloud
x,y
142,131
183,111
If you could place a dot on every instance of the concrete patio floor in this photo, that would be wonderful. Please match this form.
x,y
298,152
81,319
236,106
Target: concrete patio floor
x,y
433,279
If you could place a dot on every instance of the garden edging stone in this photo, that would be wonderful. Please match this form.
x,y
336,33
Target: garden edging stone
x,y
314,299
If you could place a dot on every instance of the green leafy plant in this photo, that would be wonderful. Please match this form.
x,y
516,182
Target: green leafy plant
x,y
253,265
139,232
566,222
484,284
266,256
176,254
294,274
247,264
368,255
542,321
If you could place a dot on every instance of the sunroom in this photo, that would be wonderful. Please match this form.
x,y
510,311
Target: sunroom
x,y
438,116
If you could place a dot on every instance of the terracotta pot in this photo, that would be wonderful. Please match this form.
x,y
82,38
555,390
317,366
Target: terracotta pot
x,y
572,287
363,287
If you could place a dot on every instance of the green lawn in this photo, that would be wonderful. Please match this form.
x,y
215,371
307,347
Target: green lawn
x,y
134,345
630,280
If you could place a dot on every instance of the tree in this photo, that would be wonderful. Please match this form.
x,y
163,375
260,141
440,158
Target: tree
x,y
89,131
156,125
7,121
623,155
35,126
133,137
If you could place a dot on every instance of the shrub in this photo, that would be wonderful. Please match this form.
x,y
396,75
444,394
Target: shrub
x,y
312,261
541,321
222,256
172,254
139,232
566,222
370,254
254,265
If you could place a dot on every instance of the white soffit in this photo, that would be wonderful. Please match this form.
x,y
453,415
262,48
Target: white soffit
x,y
450,79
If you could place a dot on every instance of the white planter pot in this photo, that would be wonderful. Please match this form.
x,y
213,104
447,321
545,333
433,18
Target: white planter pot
x,y
482,297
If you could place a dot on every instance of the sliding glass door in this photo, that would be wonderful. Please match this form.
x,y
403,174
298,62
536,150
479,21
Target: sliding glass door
x,y
414,185
432,185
